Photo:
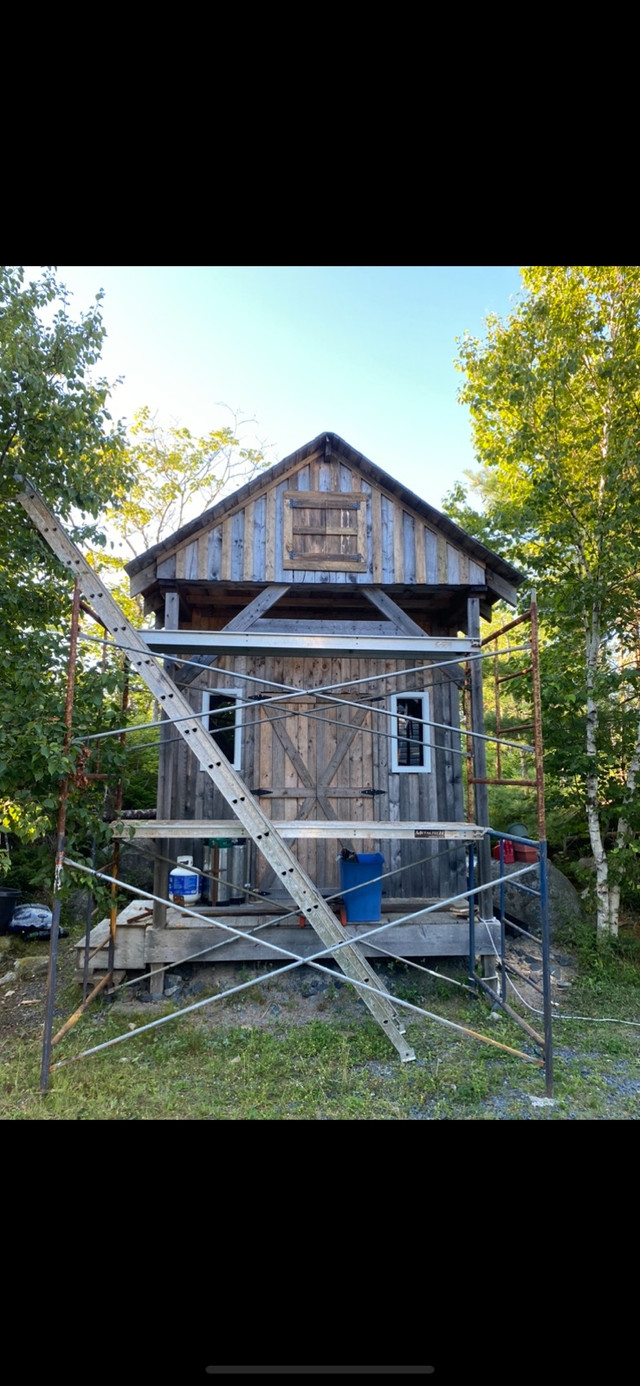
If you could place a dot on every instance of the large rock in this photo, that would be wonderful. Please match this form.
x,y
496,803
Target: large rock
x,y
565,906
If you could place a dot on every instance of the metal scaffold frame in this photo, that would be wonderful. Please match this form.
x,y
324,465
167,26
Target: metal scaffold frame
x,y
255,823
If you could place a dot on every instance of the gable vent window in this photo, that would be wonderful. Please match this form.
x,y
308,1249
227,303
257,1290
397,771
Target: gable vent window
x,y
223,720
325,530
410,747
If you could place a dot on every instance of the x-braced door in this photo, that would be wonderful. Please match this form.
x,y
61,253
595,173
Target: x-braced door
x,y
316,760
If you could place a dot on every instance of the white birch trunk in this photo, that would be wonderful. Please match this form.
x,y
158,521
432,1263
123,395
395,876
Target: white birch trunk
x,y
603,894
623,830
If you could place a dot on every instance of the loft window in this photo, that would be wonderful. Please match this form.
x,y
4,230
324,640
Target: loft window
x,y
410,747
223,720
325,530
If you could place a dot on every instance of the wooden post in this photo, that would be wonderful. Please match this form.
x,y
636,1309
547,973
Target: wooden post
x,y
164,807
485,901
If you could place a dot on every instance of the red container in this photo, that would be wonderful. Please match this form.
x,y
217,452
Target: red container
x,y
507,855
526,853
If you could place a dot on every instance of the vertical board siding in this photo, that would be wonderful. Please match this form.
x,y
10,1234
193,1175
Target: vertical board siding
x,y
167,569
398,544
248,544
270,551
420,554
431,555
191,560
409,548
214,548
248,563
237,547
318,731
376,536
259,538
386,512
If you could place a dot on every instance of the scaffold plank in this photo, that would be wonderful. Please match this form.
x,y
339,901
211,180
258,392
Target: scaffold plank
x,y
293,828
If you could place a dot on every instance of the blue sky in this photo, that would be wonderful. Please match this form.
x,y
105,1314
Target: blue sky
x,y
363,351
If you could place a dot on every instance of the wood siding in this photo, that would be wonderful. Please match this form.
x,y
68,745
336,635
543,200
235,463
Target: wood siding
x,y
315,758
249,543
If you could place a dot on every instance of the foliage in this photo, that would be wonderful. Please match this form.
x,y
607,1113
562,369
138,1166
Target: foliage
x,y
177,476
55,430
554,394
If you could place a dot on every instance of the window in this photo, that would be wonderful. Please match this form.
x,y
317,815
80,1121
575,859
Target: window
x,y
325,530
223,719
410,747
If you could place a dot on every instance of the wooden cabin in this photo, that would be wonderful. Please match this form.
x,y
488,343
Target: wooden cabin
x,y
333,611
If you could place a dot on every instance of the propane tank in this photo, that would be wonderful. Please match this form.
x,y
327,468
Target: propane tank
x,y
184,882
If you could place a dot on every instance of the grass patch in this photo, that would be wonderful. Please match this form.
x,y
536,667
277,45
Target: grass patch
x,y
337,1065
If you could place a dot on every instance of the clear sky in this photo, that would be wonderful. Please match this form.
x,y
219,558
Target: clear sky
x,y
363,351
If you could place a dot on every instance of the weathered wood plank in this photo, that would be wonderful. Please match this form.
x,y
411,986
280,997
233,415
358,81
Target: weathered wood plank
x,y
431,555
191,560
259,538
214,553
193,827
503,589
237,546
418,939
394,613
398,544
246,619
247,541
442,559
420,554
376,536
453,564
144,578
167,569
225,560
408,547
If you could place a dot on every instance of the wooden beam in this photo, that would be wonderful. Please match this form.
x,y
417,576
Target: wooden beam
x,y
417,939
502,588
264,600
393,612
142,579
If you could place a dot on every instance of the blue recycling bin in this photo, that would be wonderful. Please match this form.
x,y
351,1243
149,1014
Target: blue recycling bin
x,y
365,902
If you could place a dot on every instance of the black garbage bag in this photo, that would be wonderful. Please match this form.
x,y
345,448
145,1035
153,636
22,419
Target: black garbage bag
x,y
33,923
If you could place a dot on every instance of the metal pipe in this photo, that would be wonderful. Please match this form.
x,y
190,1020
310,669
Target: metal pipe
x,y
254,981
542,834
511,1013
68,1025
60,845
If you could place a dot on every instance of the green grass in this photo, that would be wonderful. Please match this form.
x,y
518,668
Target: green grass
x,y
338,1065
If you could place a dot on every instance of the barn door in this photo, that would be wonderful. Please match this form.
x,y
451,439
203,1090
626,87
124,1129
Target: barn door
x,y
315,761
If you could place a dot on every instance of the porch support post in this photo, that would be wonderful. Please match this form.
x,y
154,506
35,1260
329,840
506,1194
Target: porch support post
x,y
479,762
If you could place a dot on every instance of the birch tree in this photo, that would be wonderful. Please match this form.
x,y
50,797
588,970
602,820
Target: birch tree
x,y
554,395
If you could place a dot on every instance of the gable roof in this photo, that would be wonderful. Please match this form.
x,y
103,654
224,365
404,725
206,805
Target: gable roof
x,y
335,448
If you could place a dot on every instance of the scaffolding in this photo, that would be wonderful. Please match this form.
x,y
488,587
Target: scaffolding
x,y
486,934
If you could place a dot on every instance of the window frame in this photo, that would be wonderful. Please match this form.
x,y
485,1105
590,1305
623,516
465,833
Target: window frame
x,y
425,768
228,693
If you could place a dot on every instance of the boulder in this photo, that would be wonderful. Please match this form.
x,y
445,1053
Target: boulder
x,y
565,905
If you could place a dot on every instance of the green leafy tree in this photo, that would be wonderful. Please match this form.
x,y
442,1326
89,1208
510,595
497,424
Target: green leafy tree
x,y
55,430
554,394
177,476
